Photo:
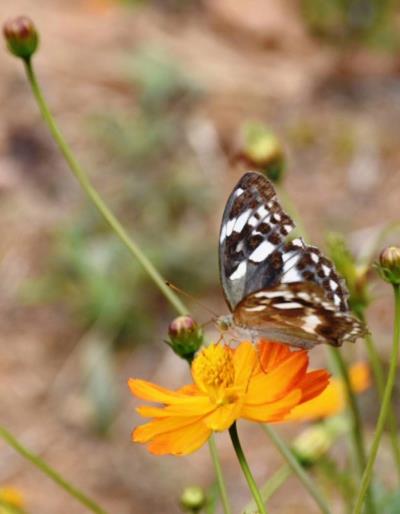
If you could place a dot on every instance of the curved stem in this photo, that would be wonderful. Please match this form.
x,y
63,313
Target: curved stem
x,y
298,469
357,431
50,472
97,201
246,470
220,479
119,230
385,407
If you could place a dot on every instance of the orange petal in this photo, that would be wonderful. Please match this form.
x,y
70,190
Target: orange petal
x,y
223,417
272,354
332,399
275,411
182,441
152,412
268,387
244,360
189,389
155,393
313,384
148,431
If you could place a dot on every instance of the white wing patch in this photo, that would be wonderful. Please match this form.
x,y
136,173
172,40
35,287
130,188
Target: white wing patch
x,y
288,305
240,271
262,251
310,323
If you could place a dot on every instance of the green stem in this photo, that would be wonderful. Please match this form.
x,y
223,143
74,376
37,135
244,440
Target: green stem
x,y
357,433
118,229
298,469
220,479
385,406
97,201
378,372
50,472
246,470
271,486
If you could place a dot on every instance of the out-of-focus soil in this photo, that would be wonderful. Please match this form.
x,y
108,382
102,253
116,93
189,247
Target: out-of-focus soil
x,y
263,67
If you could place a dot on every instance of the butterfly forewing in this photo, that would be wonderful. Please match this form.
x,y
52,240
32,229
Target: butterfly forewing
x,y
253,228
275,287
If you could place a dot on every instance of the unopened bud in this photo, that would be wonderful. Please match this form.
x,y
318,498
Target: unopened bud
x,y
389,265
193,499
21,37
185,337
261,150
314,442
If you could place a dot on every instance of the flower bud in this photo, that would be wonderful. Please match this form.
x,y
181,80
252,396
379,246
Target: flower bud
x,y
21,37
193,499
261,150
389,265
314,442
185,337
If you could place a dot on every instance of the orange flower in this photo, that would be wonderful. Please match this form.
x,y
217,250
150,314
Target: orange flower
x,y
262,383
333,399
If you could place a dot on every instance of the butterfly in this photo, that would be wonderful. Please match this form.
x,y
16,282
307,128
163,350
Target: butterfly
x,y
276,286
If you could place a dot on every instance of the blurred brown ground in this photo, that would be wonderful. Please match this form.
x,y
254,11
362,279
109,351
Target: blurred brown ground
x,y
257,62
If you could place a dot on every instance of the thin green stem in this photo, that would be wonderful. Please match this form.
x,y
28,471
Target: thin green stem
x,y
246,470
50,472
357,433
271,486
97,201
385,406
298,469
118,229
220,479
379,376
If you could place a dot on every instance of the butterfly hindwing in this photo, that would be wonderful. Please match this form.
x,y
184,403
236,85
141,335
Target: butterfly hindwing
x,y
299,314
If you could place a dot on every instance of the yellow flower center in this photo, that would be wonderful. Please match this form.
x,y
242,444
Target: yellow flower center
x,y
214,367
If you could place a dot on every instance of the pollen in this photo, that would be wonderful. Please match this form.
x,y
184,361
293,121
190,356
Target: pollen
x,y
214,365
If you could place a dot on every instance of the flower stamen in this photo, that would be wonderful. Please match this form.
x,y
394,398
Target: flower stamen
x,y
214,368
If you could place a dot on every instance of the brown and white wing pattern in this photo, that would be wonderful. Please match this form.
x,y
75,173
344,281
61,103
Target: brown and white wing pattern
x,y
299,314
253,228
275,287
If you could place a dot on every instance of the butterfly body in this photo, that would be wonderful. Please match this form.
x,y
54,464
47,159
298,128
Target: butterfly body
x,y
277,287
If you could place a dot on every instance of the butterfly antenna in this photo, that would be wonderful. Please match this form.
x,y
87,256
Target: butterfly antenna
x,y
187,295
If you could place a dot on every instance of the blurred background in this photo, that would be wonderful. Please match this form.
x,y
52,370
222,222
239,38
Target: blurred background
x,y
157,99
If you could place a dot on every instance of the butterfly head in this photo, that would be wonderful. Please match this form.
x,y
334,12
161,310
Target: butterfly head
x,y
224,323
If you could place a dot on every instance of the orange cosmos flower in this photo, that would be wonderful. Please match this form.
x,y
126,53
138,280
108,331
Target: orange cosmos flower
x,y
262,383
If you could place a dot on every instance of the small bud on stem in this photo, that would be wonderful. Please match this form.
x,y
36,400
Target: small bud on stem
x,y
193,499
389,265
260,149
21,37
185,337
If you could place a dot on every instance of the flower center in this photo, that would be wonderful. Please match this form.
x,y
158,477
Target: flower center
x,y
214,366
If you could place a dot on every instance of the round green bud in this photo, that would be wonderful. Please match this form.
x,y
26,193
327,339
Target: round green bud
x,y
193,499
185,337
389,265
312,444
261,150
21,37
